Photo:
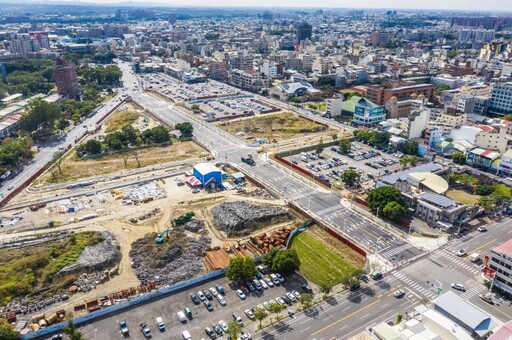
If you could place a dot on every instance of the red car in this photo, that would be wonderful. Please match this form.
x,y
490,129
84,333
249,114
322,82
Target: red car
x,y
244,289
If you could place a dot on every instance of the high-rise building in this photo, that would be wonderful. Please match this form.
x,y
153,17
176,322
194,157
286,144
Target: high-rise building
x,y
380,38
304,31
66,78
501,98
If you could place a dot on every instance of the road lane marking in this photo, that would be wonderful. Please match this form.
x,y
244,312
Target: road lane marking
x,y
384,306
477,249
343,327
364,316
305,329
346,317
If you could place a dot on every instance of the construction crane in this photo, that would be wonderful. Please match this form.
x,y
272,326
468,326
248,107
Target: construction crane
x,y
162,237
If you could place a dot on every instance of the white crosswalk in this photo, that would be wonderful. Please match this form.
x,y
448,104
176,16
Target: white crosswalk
x,y
396,250
473,289
427,292
458,261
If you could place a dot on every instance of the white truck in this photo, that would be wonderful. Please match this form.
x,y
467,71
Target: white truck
x,y
474,257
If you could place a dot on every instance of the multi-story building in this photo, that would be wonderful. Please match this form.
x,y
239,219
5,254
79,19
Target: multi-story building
x,y
501,98
416,123
243,61
492,138
66,79
457,70
334,106
269,68
402,108
380,38
501,262
380,94
466,103
505,166
23,44
251,80
367,113
304,31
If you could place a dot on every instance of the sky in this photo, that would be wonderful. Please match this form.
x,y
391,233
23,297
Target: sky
x,y
464,5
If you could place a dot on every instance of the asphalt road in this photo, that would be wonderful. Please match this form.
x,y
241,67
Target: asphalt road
x,y
45,154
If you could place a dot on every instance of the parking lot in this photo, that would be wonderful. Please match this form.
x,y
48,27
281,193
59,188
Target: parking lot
x,y
369,162
168,307
230,108
180,91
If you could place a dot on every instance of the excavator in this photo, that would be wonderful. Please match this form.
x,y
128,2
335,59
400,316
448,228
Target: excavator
x,y
162,236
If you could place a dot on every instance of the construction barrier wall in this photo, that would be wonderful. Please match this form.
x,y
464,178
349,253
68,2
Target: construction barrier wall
x,y
146,298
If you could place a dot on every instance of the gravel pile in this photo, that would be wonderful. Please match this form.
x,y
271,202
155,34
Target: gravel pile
x,y
177,263
96,258
242,218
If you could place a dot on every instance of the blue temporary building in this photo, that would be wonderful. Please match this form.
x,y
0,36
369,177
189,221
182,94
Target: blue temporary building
x,y
207,173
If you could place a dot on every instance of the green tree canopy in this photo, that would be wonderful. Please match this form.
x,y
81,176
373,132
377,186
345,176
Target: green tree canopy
x,y
459,158
92,146
241,268
268,257
234,329
41,116
394,211
14,151
185,128
350,177
345,145
410,148
286,261
378,198
442,87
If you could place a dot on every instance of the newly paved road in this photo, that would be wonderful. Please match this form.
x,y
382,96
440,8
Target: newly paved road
x,y
321,203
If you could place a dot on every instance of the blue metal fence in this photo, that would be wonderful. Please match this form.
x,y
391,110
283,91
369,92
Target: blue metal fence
x,y
82,320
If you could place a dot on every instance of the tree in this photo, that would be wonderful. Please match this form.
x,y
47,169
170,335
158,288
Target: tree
x,y
350,177
194,107
185,128
306,299
459,158
334,136
394,211
13,151
241,268
345,145
320,147
374,266
92,147
380,197
275,308
325,288
136,156
410,148
442,87
286,261
41,116
234,329
71,331
57,159
484,190
260,314
486,202
62,124
268,257
6,331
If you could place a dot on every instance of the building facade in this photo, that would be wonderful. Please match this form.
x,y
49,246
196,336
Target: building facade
x,y
66,79
501,98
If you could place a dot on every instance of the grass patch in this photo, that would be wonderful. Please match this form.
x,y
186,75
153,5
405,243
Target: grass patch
x,y
74,169
32,269
324,263
462,196
119,119
275,126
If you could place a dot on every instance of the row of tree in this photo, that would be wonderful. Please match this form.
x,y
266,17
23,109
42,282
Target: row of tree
x,y
28,77
387,201
373,138
15,151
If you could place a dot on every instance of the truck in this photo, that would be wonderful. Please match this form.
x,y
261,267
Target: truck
x,y
248,160
474,257
124,328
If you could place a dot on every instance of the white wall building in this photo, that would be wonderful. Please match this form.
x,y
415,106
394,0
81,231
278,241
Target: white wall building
x,y
501,262
417,123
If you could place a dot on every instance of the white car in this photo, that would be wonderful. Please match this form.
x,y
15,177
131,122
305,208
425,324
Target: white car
x,y
269,282
266,304
249,314
482,229
399,293
213,291
280,300
223,325
201,295
260,306
263,284
296,293
458,286
291,296
240,294
461,252
221,300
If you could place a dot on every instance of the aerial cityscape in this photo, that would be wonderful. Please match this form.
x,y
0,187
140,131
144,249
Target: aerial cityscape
x,y
262,171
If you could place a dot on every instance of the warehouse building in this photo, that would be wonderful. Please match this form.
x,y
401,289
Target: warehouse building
x,y
208,174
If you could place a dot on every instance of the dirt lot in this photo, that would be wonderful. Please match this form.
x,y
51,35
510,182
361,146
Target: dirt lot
x,y
129,113
74,169
278,127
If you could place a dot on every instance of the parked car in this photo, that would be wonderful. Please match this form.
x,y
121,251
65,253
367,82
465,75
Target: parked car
x,y
208,295
263,284
223,325
195,299
249,314
208,306
145,330
486,298
307,288
201,296
213,291
244,289
240,294
238,318
210,332
377,276
287,300
221,300
217,329
482,229
220,289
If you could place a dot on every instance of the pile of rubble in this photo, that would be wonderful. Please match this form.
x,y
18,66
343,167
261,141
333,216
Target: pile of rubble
x,y
242,218
179,258
145,216
194,226
96,258
87,282
27,304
